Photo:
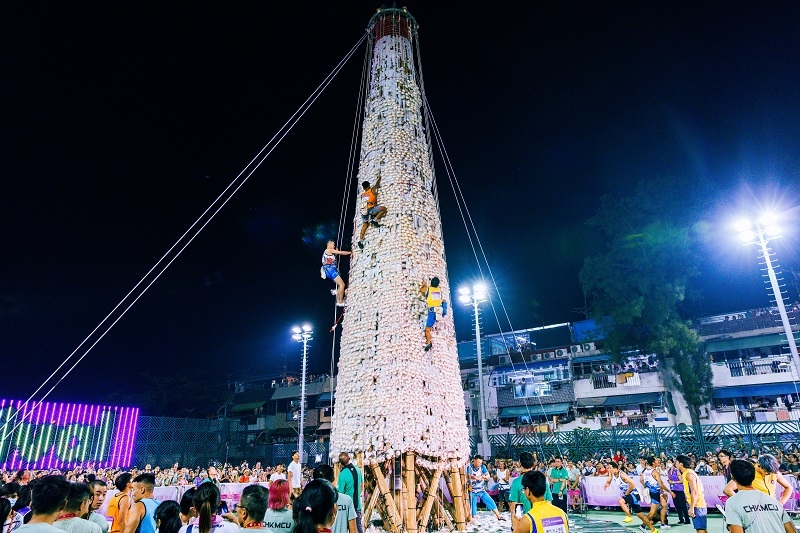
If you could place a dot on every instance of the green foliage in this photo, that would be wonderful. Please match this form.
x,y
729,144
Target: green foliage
x,y
643,278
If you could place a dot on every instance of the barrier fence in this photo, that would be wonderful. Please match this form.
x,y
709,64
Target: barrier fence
x,y
192,442
198,442
578,444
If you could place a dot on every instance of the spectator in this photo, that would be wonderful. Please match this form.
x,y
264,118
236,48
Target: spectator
x,y
315,510
278,517
168,517
78,501
346,515
750,510
49,498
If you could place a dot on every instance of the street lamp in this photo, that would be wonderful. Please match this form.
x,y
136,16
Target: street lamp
x,y
474,297
760,232
302,334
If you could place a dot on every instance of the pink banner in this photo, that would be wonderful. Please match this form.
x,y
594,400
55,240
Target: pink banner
x,y
230,493
712,487
596,495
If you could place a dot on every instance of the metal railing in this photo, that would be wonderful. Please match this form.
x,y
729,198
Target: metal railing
x,y
604,381
754,368
765,437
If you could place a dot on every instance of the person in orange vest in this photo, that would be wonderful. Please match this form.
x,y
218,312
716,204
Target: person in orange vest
x,y
120,503
371,212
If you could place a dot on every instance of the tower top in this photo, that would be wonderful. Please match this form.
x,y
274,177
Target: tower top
x,y
392,21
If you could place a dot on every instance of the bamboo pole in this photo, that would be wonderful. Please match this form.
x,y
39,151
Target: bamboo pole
x,y
444,515
391,509
430,499
458,495
411,493
371,503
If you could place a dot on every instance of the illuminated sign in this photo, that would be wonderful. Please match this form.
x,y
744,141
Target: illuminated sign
x,y
60,435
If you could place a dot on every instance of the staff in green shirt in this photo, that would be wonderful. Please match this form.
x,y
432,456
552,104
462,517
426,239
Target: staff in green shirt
x,y
558,477
516,495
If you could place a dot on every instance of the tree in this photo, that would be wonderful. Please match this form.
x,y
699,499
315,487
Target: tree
x,y
636,288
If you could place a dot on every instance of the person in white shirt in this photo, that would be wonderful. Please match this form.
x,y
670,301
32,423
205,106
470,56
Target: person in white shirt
x,y
71,520
49,500
206,501
99,490
277,474
295,474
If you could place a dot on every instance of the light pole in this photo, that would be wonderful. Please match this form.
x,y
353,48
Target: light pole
x,y
760,232
302,335
475,297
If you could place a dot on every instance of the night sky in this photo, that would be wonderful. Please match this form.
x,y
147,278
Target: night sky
x,y
121,123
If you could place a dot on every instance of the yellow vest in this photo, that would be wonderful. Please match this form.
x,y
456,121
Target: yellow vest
x,y
434,297
547,518
700,497
766,484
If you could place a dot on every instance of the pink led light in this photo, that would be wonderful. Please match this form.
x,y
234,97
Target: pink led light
x,y
132,435
86,432
123,445
56,424
43,434
119,431
37,435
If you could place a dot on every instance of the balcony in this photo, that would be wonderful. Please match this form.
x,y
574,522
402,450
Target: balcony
x,y
612,384
758,367
752,372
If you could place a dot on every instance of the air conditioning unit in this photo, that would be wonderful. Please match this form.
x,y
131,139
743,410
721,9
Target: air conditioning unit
x,y
549,355
536,357
560,353
588,347
495,423
504,359
575,348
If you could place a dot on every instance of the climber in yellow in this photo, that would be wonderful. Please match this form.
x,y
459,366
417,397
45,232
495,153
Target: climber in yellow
x,y
436,306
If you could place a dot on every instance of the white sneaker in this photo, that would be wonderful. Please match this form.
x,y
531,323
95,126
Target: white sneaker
x,y
342,304
665,526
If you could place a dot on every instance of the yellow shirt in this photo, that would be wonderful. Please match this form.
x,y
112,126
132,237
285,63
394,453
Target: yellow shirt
x,y
700,497
547,518
767,484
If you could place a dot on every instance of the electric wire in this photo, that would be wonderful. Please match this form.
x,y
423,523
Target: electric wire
x,y
269,147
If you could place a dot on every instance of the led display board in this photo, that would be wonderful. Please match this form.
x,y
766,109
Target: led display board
x,y
41,435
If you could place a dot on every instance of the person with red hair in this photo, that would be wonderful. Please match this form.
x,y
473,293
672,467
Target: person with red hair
x,y
278,517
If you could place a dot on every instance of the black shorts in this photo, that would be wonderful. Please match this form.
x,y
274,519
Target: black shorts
x,y
633,503
655,499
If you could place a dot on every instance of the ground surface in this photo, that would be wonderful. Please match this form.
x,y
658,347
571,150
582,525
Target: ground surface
x,y
592,522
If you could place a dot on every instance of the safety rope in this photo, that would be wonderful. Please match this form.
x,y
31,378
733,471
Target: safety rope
x,y
194,230
471,230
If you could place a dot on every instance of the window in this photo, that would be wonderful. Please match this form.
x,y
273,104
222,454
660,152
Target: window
x,y
532,390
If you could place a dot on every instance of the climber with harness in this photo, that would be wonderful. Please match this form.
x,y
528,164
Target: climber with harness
x,y
437,307
371,212
329,270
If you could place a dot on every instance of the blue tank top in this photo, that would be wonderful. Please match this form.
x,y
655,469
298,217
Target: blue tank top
x,y
148,523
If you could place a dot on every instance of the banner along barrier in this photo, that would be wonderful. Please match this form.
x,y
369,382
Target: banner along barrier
x,y
230,493
596,495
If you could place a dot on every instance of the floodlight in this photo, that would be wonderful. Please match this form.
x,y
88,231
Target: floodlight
x,y
743,224
463,290
747,236
297,337
464,298
306,328
296,329
479,288
767,219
